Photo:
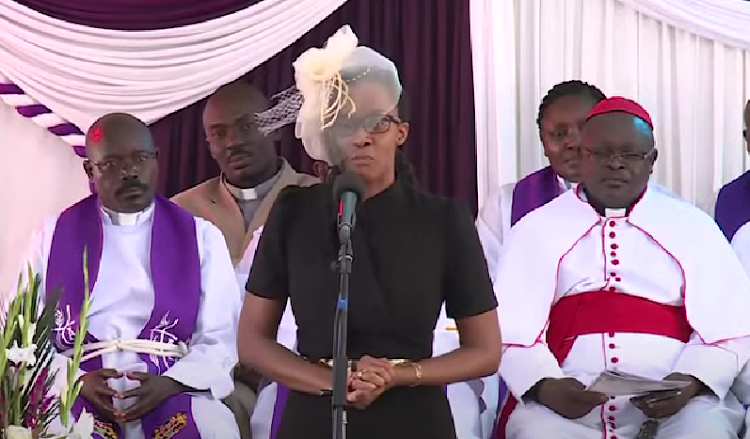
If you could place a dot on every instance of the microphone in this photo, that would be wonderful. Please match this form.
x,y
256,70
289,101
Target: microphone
x,y
348,192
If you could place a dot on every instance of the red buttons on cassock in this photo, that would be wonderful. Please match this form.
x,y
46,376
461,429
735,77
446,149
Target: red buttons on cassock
x,y
612,234
613,437
612,289
613,274
615,261
612,408
611,335
612,223
612,346
617,279
612,425
614,246
615,359
611,418
613,254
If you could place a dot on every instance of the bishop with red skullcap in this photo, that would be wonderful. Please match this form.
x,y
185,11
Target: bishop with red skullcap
x,y
617,277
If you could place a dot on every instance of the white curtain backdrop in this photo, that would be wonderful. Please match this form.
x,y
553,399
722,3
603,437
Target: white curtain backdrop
x,y
725,21
81,73
694,87
39,176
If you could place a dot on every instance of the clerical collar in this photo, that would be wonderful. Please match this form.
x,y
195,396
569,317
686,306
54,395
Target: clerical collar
x,y
608,212
565,184
128,219
252,193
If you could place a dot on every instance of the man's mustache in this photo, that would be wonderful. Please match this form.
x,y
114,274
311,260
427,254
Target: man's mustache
x,y
131,185
240,150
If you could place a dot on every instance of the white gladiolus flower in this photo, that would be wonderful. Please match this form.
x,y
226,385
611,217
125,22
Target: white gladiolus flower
x,y
16,432
84,427
23,356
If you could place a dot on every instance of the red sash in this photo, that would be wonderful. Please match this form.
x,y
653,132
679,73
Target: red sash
x,y
601,312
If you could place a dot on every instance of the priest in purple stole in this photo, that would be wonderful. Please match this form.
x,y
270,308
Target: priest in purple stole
x,y
165,302
732,211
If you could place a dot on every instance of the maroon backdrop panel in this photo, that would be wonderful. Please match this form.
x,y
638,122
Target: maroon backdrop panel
x,y
430,43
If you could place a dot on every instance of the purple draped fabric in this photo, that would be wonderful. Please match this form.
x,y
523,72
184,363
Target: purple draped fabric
x,y
282,394
733,205
175,272
534,191
136,14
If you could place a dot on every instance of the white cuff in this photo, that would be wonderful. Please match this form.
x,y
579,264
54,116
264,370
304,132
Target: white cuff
x,y
522,367
712,365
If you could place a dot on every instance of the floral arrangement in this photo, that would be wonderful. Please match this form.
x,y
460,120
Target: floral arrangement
x,y
27,403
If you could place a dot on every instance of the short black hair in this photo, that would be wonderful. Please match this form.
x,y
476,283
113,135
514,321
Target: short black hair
x,y
568,88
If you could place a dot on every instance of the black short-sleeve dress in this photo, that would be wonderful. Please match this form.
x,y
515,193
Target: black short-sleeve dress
x,y
412,252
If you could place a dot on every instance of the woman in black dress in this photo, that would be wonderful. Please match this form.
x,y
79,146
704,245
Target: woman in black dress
x,y
412,252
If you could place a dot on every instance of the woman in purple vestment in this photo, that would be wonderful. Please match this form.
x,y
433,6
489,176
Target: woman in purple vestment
x,y
561,116
412,252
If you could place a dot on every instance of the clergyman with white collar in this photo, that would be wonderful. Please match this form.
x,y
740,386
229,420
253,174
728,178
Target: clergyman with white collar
x,y
238,201
158,276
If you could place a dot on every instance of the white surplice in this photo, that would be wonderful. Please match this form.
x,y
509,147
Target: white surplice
x,y
493,221
262,415
741,245
122,300
463,400
666,251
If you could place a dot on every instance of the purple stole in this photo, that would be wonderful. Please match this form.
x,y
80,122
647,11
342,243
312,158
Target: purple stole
x,y
175,273
534,191
733,205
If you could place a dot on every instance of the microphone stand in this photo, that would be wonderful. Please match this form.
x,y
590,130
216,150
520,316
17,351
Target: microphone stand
x,y
340,360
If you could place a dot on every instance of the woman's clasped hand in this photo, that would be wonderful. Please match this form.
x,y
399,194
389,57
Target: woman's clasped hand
x,y
368,379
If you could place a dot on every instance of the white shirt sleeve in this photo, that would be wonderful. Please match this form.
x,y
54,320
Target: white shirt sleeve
x,y
212,351
524,366
715,365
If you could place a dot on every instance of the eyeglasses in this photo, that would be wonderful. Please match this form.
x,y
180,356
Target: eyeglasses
x,y
348,126
630,158
118,163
